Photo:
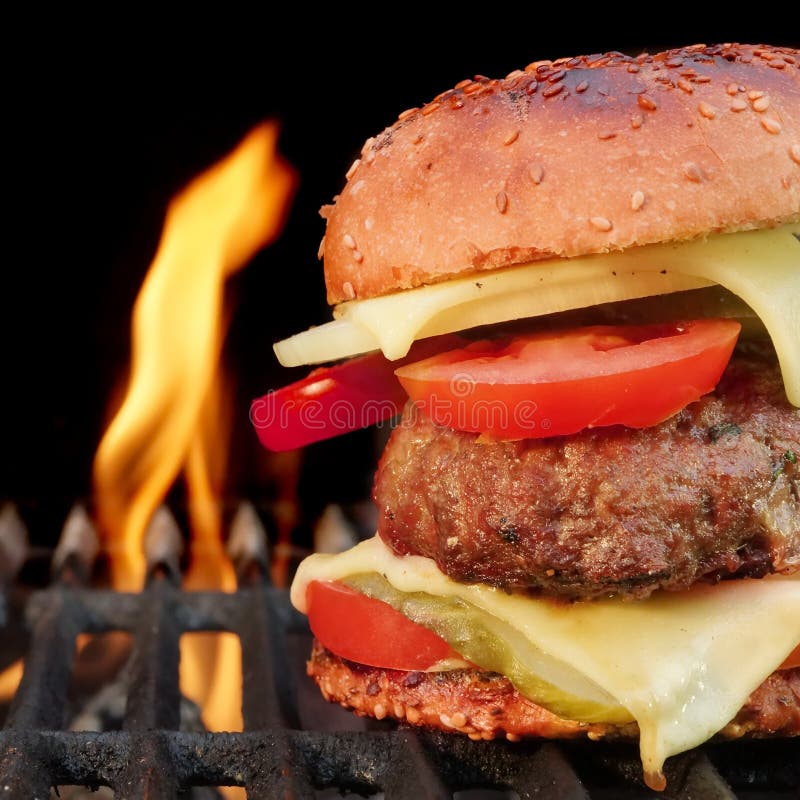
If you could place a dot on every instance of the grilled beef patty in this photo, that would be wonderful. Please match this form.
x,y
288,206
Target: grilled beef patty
x,y
711,493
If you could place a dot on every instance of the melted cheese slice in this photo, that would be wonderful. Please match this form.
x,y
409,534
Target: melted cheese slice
x,y
762,267
682,664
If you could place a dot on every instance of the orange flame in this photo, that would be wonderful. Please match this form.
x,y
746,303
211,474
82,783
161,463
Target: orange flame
x,y
212,228
9,680
175,414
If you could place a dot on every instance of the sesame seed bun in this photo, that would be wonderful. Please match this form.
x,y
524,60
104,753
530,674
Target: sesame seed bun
x,y
567,158
484,705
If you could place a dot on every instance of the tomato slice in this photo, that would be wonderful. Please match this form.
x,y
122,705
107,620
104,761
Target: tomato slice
x,y
555,383
792,660
335,400
369,631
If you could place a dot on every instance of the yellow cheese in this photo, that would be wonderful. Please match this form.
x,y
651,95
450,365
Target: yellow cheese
x,y
762,267
681,663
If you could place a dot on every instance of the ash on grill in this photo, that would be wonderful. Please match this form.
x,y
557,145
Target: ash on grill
x,y
293,743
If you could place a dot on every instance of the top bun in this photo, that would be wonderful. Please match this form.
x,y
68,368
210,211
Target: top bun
x,y
570,157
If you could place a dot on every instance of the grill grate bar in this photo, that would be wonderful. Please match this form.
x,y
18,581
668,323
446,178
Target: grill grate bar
x,y
703,780
410,774
268,692
561,781
39,701
154,695
275,756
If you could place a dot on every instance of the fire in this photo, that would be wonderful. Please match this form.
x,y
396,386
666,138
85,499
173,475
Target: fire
x,y
175,416
212,228
9,680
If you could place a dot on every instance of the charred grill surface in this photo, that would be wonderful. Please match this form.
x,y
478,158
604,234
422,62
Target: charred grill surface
x,y
293,742
711,493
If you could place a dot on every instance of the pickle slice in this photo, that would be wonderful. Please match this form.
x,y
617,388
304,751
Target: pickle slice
x,y
495,646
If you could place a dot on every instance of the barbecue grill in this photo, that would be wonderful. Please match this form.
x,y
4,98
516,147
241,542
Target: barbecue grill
x,y
293,743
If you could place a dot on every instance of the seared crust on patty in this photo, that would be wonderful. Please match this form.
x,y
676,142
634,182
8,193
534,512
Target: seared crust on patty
x,y
711,493
484,705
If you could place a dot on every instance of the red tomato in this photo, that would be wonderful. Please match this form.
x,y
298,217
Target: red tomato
x,y
555,383
335,400
792,660
369,631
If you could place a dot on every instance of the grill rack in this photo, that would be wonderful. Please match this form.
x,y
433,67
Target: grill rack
x,y
293,743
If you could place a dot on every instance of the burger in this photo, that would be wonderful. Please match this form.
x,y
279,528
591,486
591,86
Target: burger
x,y
583,282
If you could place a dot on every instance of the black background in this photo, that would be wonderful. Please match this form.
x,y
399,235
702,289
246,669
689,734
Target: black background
x,y
105,126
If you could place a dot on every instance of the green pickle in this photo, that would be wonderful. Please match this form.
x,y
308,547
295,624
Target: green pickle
x,y
495,646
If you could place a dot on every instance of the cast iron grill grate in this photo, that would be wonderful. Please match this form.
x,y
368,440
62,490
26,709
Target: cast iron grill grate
x,y
293,743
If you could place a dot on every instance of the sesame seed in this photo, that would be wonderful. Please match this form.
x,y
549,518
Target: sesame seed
x,y
794,153
693,172
732,89
771,125
761,104
777,63
353,167
685,86
358,256
458,720
511,138
512,737
601,223
408,112
464,83
555,77
646,102
703,79
675,61
321,249
603,135
550,572
737,104
636,121
456,102
633,68
429,109
417,139
412,715
445,720
476,737
367,145
487,736
349,291
531,87
502,202
379,710
754,95
537,173
472,87
349,241
517,73
637,200
786,182
706,110
582,87
553,90
594,736
399,710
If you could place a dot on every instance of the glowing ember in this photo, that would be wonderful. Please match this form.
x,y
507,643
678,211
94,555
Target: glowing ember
x,y
9,681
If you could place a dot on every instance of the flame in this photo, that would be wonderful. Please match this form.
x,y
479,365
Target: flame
x,y
176,413
212,228
9,680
